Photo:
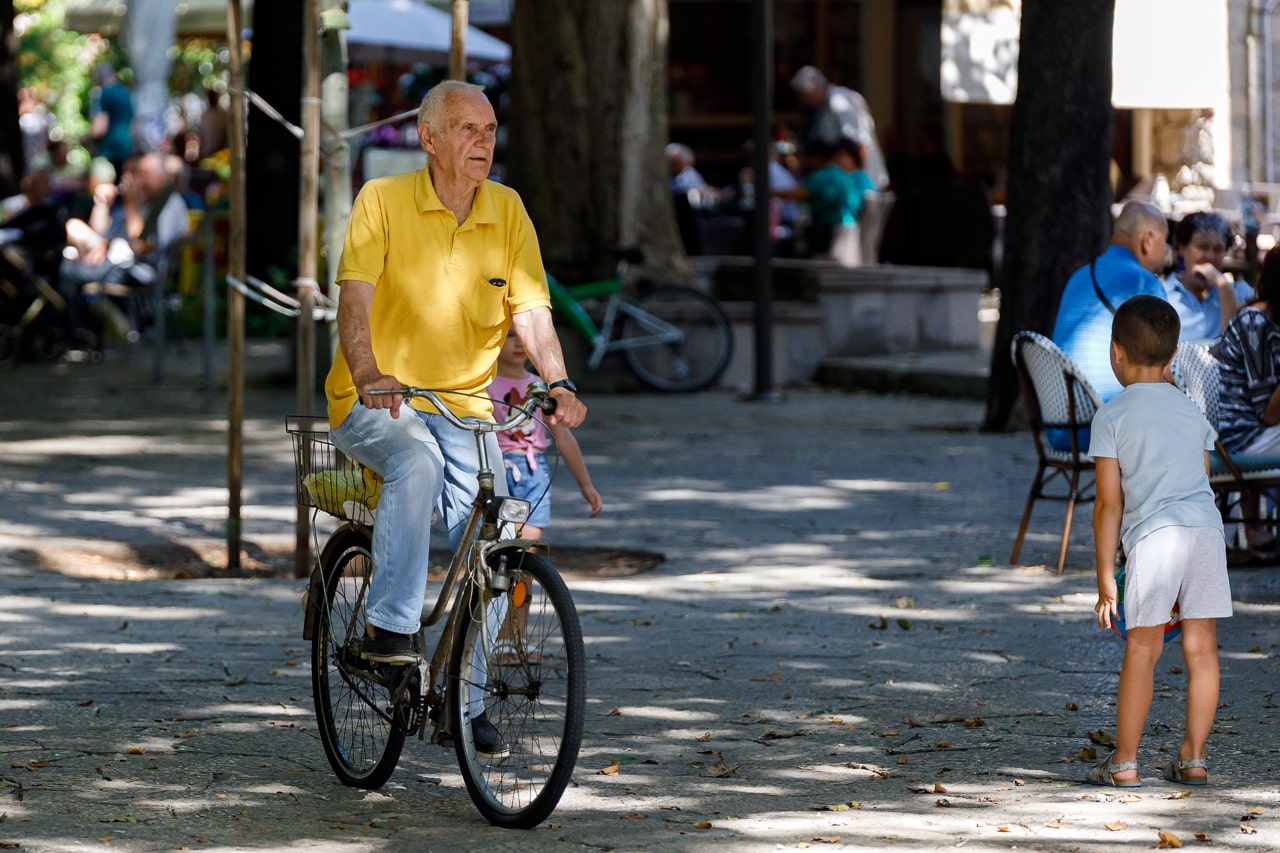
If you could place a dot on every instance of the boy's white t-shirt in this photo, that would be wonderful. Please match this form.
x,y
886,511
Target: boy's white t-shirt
x,y
1158,436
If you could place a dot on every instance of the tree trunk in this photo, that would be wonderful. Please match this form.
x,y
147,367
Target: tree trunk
x,y
1059,173
12,161
587,127
273,153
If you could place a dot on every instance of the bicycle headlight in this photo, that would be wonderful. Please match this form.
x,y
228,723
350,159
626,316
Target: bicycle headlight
x,y
513,510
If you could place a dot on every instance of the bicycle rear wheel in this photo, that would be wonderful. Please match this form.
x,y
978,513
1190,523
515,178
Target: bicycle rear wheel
x,y
357,717
690,363
529,679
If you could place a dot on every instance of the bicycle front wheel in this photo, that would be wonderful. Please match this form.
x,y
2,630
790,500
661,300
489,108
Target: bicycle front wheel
x,y
680,340
519,663
356,713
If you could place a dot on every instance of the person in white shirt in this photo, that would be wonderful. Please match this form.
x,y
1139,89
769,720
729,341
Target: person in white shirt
x,y
1204,296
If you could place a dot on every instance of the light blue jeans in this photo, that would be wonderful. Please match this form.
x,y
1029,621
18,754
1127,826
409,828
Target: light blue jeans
x,y
425,462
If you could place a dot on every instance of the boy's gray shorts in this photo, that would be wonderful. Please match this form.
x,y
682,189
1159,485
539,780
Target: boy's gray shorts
x,y
1183,564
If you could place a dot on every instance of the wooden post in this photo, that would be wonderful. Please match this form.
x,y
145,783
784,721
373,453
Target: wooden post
x,y
305,284
458,41
235,268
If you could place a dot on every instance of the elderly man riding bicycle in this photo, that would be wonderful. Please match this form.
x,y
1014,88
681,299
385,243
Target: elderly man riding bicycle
x,y
436,266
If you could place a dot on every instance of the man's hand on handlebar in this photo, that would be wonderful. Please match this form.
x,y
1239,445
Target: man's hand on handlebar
x,y
389,396
569,411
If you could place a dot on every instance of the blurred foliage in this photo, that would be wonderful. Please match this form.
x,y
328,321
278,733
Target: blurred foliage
x,y
58,65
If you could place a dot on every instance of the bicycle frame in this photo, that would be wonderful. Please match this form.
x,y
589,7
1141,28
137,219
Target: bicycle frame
x,y
568,302
482,528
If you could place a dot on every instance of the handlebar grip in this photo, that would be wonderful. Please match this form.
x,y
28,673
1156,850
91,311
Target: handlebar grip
x,y
549,405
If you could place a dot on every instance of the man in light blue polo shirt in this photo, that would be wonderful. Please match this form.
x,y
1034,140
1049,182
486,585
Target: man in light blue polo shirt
x,y
1138,250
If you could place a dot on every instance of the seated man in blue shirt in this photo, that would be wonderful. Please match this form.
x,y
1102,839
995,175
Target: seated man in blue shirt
x,y
1138,250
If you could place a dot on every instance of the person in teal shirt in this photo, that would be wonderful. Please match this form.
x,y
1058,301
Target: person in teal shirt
x,y
835,192
113,123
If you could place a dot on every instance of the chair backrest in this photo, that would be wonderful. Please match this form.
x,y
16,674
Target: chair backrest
x,y
1195,371
871,222
1056,380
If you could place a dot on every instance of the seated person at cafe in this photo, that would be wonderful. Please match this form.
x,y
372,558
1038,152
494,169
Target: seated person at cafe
x,y
1083,326
155,217
1204,296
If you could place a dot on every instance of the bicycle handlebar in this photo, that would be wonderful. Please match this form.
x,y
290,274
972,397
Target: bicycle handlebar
x,y
539,397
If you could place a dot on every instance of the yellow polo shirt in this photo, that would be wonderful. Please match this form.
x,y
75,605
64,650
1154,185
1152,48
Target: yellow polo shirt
x,y
437,321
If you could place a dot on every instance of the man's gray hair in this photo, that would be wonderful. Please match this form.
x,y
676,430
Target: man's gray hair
x,y
809,78
432,109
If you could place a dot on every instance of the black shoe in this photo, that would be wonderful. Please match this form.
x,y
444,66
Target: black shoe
x,y
486,738
388,647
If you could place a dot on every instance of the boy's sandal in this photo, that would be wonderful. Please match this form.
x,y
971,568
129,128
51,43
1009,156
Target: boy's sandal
x,y
1175,771
1104,773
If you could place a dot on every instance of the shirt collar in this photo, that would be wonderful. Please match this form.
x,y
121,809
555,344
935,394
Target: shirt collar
x,y
483,209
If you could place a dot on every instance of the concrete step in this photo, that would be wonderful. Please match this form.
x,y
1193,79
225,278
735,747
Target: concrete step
x,y
959,374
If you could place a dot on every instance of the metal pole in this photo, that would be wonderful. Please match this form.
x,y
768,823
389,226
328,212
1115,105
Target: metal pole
x,y
762,105
235,301
210,298
458,43
305,284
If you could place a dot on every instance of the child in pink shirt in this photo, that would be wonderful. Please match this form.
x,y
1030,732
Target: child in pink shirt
x,y
524,449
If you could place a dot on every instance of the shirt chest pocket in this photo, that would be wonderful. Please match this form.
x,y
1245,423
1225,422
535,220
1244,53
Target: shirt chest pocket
x,y
487,303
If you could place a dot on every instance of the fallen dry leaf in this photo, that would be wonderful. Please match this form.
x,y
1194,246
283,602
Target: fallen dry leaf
x,y
943,804
137,750
86,703
1168,839
706,824
635,816
827,839
1201,836
612,769
1102,738
30,765
1248,830
1256,811
975,723
706,736
1128,798
9,845
938,789
1057,824
839,807
1178,795
1116,826
1072,706
615,712
1002,829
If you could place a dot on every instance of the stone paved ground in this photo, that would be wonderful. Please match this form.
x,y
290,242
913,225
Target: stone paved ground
x,y
833,654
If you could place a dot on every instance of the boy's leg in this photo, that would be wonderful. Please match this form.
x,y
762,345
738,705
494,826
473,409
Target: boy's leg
x,y
1200,649
1142,649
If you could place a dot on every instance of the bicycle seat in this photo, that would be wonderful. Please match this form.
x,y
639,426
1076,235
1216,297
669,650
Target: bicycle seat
x,y
630,254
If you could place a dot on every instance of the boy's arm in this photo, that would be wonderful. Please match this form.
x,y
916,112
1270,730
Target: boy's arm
x,y
1108,508
571,453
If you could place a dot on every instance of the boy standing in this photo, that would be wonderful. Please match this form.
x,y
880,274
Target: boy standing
x,y
1150,445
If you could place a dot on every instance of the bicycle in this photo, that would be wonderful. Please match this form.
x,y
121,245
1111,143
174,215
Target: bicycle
x,y
674,338
512,642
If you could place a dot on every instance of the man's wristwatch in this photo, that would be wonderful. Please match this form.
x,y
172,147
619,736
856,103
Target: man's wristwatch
x,y
564,383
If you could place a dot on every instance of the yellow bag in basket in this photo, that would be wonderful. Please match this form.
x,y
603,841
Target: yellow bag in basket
x,y
329,490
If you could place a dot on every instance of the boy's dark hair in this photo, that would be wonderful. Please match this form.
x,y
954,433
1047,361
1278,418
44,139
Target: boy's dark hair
x,y
1147,328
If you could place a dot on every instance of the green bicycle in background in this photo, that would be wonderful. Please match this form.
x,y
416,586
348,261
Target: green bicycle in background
x,y
674,338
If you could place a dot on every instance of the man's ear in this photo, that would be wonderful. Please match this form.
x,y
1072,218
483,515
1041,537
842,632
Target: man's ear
x,y
426,138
